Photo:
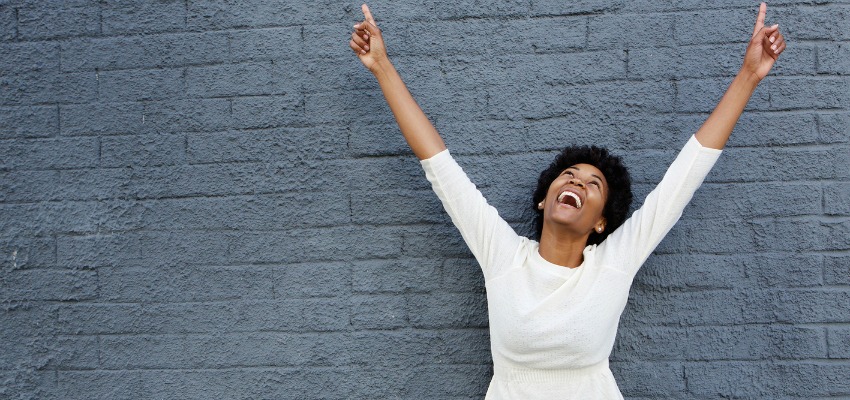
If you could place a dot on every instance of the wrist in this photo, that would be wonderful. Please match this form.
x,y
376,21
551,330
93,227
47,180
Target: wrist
x,y
381,67
748,77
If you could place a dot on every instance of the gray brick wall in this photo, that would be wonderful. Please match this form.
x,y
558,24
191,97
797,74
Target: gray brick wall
x,y
210,199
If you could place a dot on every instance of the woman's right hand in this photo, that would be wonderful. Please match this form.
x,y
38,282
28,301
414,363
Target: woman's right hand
x,y
367,42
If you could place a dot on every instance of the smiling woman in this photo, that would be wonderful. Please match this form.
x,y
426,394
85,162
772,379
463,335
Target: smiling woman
x,y
554,304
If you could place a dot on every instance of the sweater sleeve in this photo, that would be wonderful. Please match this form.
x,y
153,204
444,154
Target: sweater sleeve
x,y
632,243
492,241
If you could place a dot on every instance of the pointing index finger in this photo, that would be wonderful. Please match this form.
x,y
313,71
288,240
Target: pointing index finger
x,y
760,18
368,14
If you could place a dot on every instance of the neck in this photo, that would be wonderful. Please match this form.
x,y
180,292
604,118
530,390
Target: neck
x,y
562,248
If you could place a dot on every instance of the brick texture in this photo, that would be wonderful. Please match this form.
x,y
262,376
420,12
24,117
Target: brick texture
x,y
210,199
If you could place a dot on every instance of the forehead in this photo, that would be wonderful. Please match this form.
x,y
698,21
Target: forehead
x,y
588,170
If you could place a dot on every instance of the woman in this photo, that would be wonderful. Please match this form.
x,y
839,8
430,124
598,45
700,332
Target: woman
x,y
554,305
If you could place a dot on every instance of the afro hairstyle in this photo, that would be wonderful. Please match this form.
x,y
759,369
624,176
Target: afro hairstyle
x,y
619,186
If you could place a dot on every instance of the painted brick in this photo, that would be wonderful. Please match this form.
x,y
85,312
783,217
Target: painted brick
x,y
8,22
787,271
264,212
26,252
379,312
723,236
72,18
30,56
43,284
112,118
49,153
65,352
138,16
812,23
462,275
26,122
87,184
448,310
816,379
395,207
703,61
149,51
839,342
719,26
737,378
186,115
628,31
701,95
542,35
394,276
754,165
836,199
833,59
131,284
223,14
35,87
380,140
235,80
549,7
805,235
764,129
752,342
265,44
748,200
786,93
268,145
38,219
394,347
468,346
98,318
218,351
836,270
190,284
687,271
477,9
813,306
700,308
308,245
650,379
270,111
94,250
834,128
142,150
135,85
28,185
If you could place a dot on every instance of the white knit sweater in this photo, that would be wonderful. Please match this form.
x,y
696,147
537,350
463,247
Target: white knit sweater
x,y
552,328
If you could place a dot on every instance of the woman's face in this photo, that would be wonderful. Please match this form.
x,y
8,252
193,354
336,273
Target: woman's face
x,y
576,198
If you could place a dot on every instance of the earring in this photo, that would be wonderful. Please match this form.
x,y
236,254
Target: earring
x,y
598,230
540,205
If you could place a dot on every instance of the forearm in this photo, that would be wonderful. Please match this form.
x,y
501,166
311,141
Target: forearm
x,y
715,131
420,134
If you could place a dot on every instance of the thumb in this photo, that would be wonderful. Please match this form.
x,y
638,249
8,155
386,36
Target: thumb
x,y
770,29
369,27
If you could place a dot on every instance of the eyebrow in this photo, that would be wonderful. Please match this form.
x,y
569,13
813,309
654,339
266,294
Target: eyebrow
x,y
593,175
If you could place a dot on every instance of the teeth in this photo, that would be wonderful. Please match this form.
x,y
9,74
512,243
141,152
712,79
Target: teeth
x,y
571,194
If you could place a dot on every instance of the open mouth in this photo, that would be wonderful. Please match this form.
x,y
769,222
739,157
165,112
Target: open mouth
x,y
569,198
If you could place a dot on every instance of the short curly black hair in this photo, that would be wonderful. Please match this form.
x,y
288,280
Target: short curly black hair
x,y
619,186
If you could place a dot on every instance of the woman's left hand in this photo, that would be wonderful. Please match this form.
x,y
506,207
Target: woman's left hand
x,y
765,47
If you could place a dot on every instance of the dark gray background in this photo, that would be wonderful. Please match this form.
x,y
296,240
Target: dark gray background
x,y
210,199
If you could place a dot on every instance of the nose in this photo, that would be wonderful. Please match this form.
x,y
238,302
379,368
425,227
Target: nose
x,y
577,182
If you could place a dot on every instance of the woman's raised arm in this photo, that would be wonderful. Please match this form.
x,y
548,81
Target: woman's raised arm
x,y
764,48
421,136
